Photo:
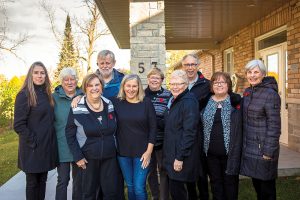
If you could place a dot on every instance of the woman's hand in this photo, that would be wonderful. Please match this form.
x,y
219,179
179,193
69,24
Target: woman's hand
x,y
178,165
82,163
75,101
146,157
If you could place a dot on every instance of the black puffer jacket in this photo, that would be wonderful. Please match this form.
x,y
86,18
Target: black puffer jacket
x,y
261,126
236,134
181,135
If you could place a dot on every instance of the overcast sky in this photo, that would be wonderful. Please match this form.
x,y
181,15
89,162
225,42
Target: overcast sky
x,y
27,17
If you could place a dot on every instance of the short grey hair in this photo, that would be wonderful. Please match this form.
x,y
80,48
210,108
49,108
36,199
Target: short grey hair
x,y
104,53
180,74
191,55
256,63
67,71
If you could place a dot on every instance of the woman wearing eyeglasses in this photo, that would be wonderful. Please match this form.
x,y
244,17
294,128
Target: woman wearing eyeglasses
x,y
180,147
222,137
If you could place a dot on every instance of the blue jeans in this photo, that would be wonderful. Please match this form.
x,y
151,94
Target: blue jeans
x,y
135,177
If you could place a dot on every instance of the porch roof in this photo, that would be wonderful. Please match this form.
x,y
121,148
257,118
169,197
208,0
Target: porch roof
x,y
191,24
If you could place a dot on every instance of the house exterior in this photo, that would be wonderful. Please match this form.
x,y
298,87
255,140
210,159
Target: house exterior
x,y
227,35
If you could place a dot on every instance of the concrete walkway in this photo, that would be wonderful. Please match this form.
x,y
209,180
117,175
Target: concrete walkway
x,y
14,189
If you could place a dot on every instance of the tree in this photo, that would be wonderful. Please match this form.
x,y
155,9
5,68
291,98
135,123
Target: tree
x,y
8,93
91,30
8,43
68,57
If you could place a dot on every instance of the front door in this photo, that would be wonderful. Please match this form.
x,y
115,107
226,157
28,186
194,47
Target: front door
x,y
275,59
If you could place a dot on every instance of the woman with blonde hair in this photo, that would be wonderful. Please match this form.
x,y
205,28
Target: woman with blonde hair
x,y
33,122
135,135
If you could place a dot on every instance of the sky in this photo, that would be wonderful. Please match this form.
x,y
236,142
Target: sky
x,y
26,16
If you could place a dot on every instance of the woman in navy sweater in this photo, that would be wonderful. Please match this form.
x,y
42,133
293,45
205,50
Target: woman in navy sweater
x,y
135,135
33,122
90,133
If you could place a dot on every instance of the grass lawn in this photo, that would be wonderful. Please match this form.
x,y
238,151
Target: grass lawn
x,y
288,188
8,155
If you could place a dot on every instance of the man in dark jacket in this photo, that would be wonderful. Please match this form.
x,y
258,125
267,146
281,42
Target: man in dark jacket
x,y
199,86
112,78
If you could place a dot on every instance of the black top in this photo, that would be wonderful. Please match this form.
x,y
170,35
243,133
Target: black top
x,y
136,126
160,101
216,144
35,127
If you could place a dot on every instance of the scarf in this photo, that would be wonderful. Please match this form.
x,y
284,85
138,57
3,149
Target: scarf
x,y
208,121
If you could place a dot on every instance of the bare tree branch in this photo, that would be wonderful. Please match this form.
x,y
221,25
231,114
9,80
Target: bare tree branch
x,y
50,12
7,43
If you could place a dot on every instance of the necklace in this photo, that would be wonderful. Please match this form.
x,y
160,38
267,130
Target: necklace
x,y
95,107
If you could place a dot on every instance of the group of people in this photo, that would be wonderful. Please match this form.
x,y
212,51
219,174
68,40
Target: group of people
x,y
112,130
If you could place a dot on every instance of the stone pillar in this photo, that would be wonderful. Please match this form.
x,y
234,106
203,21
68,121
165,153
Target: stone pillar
x,y
147,37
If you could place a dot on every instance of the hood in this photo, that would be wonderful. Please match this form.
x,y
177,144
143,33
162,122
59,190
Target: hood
x,y
269,82
60,91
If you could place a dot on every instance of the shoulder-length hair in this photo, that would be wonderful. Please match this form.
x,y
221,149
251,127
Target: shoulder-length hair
x,y
216,76
29,86
129,77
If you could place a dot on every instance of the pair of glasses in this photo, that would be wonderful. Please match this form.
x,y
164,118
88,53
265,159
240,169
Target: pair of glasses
x,y
176,84
219,83
190,64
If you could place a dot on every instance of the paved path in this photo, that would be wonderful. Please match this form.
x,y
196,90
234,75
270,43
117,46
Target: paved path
x,y
14,189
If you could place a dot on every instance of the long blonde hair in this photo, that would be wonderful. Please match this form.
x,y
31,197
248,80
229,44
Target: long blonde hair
x,y
29,86
128,77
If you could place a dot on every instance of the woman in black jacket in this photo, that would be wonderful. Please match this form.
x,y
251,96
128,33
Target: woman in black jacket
x,y
261,130
222,129
90,133
34,123
180,148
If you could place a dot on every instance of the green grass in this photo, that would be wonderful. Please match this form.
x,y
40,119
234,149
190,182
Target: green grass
x,y
288,188
8,155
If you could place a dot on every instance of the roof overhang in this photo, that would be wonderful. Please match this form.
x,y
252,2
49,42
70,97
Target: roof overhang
x,y
193,24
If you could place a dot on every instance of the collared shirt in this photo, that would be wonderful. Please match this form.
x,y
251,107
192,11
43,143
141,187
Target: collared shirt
x,y
191,84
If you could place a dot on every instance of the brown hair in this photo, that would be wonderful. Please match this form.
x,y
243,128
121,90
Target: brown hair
x,y
88,78
218,75
29,85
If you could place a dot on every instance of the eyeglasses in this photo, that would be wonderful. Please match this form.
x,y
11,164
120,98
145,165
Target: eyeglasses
x,y
176,84
190,64
154,78
221,83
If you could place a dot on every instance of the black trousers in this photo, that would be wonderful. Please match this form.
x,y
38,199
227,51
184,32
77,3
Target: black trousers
x,y
223,186
202,183
177,190
36,185
265,190
63,178
100,174
159,187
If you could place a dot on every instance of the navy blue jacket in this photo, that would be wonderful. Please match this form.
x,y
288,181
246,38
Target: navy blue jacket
x,y
181,136
262,128
87,137
35,127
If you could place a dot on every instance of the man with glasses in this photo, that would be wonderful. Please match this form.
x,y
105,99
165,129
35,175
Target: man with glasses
x,y
200,87
112,78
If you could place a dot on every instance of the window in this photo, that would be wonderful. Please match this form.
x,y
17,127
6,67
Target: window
x,y
228,61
